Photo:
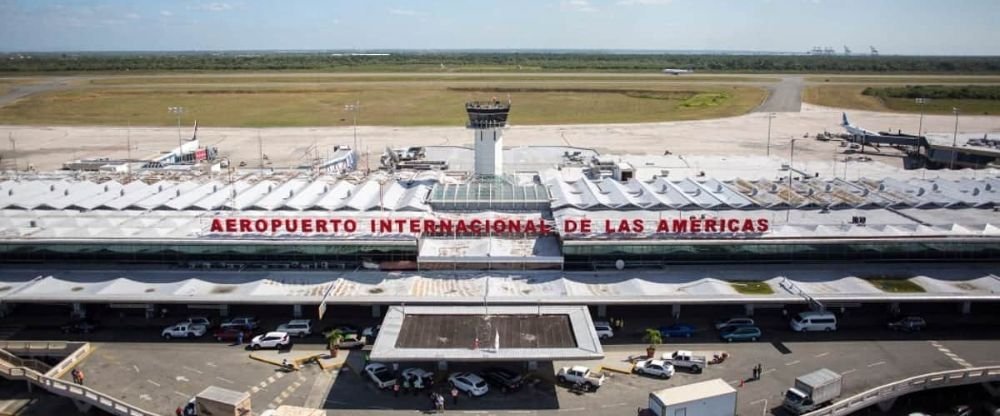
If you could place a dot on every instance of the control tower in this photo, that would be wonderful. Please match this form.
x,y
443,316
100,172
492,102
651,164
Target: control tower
x,y
487,119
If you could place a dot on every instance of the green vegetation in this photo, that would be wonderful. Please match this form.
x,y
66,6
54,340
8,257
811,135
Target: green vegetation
x,y
937,92
652,336
905,79
487,62
403,103
879,99
895,284
749,287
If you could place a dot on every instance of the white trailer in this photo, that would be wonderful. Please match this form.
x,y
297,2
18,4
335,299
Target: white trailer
x,y
707,398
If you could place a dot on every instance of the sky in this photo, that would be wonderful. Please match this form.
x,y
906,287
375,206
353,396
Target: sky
x,y
900,27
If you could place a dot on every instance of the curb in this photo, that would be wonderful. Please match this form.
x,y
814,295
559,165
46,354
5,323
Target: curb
x,y
296,363
621,370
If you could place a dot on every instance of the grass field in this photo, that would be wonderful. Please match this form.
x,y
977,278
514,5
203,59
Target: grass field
x,y
259,102
293,77
849,96
906,79
752,287
893,285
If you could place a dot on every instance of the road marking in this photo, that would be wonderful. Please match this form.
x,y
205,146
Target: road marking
x,y
225,380
270,380
153,383
520,412
192,370
756,401
181,394
211,364
820,355
876,364
145,397
769,370
848,371
263,384
733,381
573,409
793,362
278,400
136,368
954,357
182,378
254,389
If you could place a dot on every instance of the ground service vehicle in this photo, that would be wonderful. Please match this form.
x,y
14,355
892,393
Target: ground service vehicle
x,y
707,398
380,375
580,375
277,340
686,359
814,321
184,330
655,368
812,391
470,383
219,401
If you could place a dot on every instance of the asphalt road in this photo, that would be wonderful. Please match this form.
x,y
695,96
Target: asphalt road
x,y
783,97
19,91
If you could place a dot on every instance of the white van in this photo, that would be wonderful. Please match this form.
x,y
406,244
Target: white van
x,y
814,321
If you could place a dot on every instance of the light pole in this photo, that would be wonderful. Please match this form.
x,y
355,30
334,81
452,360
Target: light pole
x,y
355,108
920,127
770,116
954,140
178,111
791,171
13,150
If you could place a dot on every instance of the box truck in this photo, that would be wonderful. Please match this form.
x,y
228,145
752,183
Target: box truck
x,y
812,391
707,398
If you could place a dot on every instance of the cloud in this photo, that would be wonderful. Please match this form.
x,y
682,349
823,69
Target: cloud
x,y
166,13
577,6
406,12
132,16
213,7
642,2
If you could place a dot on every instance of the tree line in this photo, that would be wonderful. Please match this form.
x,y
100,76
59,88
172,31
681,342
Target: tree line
x,y
956,92
489,61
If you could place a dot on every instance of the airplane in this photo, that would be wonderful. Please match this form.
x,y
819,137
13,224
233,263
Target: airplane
x,y
673,71
855,130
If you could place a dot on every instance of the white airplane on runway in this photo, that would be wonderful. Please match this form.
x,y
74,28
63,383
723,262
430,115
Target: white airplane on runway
x,y
673,71
855,130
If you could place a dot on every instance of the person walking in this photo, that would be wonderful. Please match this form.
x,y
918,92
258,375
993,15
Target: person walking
x,y
239,338
76,375
395,388
454,396
440,403
760,370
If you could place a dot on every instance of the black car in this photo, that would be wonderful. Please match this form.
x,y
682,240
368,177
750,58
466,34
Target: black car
x,y
79,326
504,379
908,324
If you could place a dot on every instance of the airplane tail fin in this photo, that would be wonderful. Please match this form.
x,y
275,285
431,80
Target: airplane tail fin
x,y
845,123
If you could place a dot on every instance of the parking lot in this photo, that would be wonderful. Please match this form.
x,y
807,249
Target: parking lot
x,y
131,362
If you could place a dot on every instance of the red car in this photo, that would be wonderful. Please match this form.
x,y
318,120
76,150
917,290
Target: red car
x,y
231,334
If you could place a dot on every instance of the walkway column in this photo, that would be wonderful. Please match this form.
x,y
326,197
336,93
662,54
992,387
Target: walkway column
x,y
296,311
376,311
966,307
150,311
749,309
224,311
532,365
442,366
602,311
675,311
79,311
894,308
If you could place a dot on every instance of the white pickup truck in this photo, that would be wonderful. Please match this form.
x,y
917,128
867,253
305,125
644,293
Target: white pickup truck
x,y
184,330
580,375
686,359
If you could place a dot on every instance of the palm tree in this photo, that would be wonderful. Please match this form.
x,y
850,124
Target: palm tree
x,y
654,338
333,339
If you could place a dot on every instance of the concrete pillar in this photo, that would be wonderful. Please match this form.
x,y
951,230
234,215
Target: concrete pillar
x,y
296,311
376,311
442,366
532,365
224,311
966,308
675,311
602,311
150,311
886,405
79,310
894,308
748,309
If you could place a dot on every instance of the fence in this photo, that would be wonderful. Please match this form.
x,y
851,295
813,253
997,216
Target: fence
x,y
913,384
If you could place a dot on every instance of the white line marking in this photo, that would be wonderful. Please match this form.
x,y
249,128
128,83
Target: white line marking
x,y
733,382
153,383
181,394
793,362
136,368
270,380
192,370
211,364
263,384
876,364
226,380
756,401
769,370
848,371
573,409
819,355
254,389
